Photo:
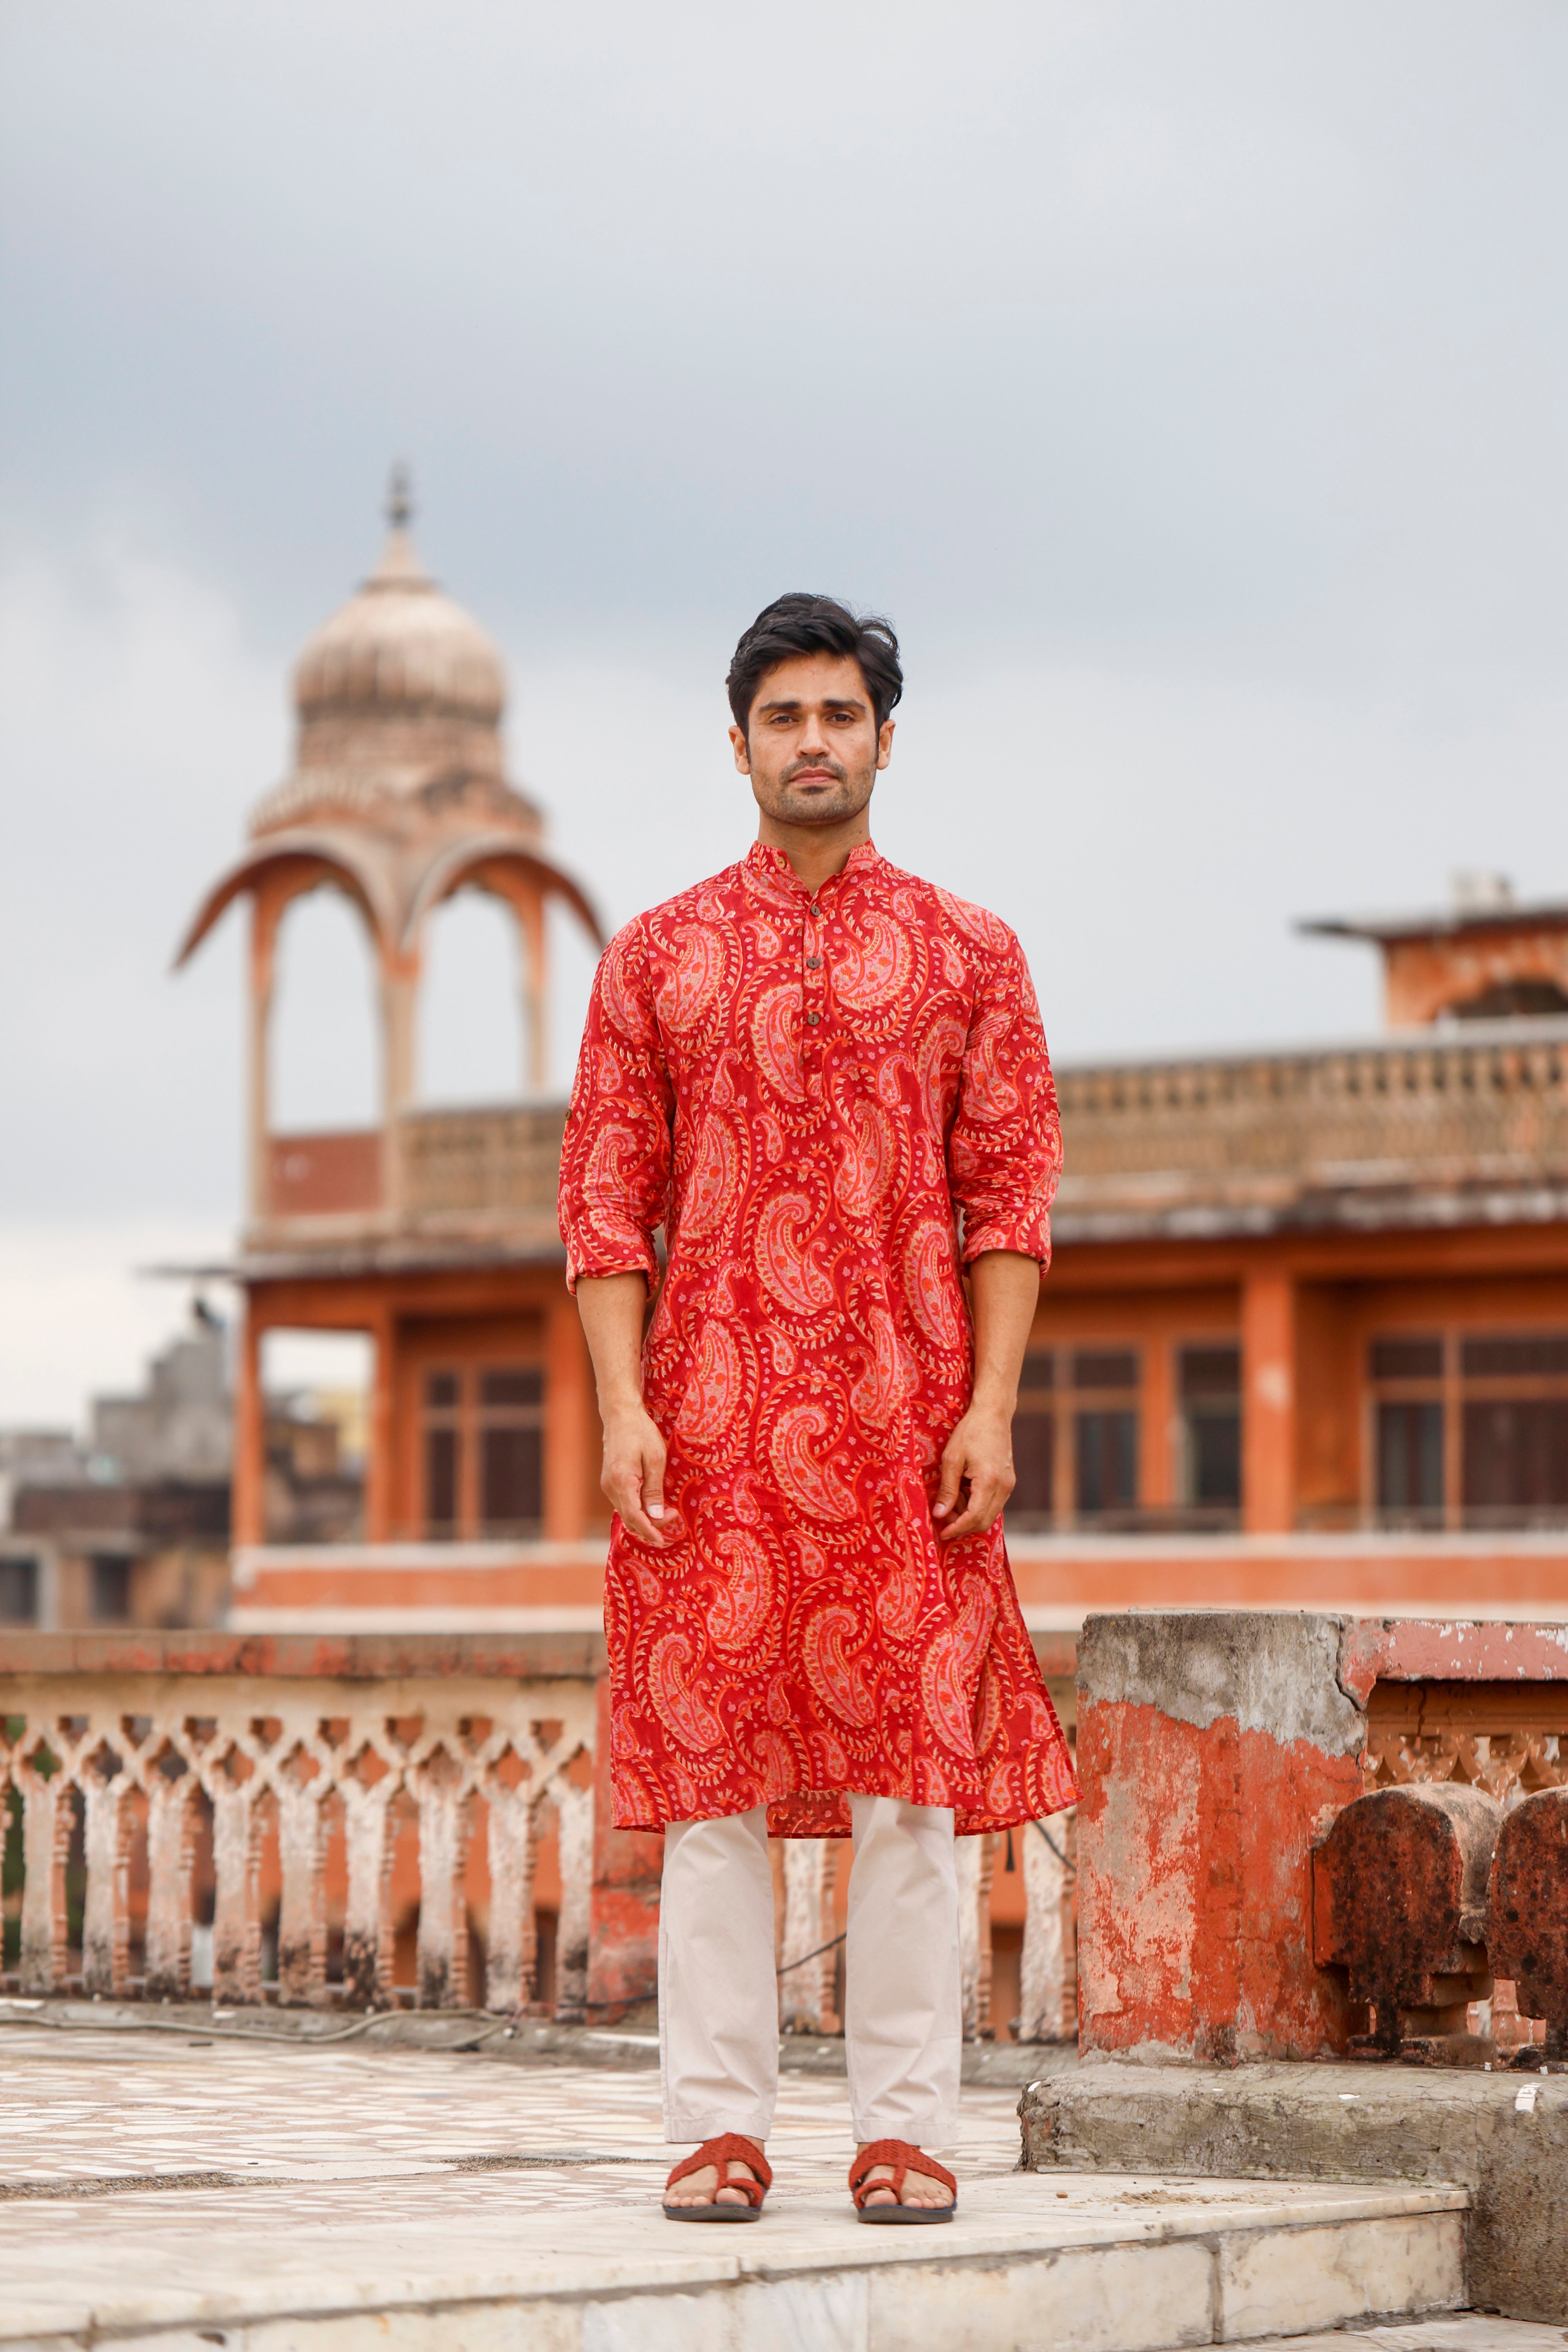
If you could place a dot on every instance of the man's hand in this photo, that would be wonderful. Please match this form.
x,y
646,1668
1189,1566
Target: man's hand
x,y
612,1308
1004,1287
978,1454
633,1474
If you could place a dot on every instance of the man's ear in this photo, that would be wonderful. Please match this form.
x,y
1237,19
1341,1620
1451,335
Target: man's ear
x,y
884,743
742,754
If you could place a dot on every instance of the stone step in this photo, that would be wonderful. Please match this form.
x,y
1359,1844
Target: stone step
x,y
1503,2136
1075,2263
1471,2331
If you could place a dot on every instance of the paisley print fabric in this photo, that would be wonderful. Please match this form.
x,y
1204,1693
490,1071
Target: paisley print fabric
x,y
828,1103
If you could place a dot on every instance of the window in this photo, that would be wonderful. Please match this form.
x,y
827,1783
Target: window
x,y
1410,1457
1034,1438
1209,1380
1527,1355
1406,1372
1105,1429
18,1591
1514,1434
1407,1360
1107,1463
1516,1454
111,1589
512,1450
1508,1394
484,1451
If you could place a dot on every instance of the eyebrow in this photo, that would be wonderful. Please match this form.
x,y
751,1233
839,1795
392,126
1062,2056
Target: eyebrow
x,y
830,702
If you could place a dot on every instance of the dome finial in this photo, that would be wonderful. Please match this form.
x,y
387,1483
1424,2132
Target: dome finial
x,y
399,497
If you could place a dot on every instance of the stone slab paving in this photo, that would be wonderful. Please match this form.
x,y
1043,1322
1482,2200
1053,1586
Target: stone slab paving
x,y
187,2191
1472,2331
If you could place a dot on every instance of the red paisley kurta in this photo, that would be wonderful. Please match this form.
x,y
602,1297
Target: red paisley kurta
x,y
806,1093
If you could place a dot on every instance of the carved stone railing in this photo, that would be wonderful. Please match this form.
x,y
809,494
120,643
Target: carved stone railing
x,y
487,1166
213,1800
1510,1741
487,1173
270,1747
1323,1134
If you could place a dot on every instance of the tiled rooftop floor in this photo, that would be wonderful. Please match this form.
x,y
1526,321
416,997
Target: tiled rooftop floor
x,y
125,2110
166,2184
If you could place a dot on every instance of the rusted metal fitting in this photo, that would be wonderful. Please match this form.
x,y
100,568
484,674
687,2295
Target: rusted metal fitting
x,y
1399,1902
1527,1926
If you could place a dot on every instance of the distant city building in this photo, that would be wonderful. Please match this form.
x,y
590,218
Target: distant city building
x,y
133,1527
1304,1343
181,1425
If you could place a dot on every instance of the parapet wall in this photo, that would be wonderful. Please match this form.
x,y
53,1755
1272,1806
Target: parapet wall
x,y
1216,1751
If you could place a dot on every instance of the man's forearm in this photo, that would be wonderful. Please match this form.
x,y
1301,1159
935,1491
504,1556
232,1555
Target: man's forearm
x,y
611,1307
976,1473
1004,1290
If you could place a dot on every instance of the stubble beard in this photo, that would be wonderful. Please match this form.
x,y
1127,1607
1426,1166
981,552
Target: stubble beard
x,y
849,797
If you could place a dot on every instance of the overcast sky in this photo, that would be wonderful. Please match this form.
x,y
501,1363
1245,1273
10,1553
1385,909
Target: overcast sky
x,y
1186,381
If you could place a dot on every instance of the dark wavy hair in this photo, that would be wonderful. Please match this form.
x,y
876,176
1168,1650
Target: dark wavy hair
x,y
802,623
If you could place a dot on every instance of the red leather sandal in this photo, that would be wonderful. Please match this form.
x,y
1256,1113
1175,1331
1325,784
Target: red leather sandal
x,y
903,2159
727,2148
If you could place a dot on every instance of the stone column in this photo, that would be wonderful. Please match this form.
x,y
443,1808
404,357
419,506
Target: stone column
x,y
1268,1401
572,1439
399,1006
249,1501
535,995
380,1469
265,909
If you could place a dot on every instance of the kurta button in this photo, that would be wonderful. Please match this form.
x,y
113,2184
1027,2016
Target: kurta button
x,y
812,1018
815,908
812,962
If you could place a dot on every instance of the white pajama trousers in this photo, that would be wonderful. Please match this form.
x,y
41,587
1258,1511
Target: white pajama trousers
x,y
718,1987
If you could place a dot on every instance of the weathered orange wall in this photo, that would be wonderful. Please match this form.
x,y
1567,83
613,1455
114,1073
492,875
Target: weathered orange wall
x,y
1425,977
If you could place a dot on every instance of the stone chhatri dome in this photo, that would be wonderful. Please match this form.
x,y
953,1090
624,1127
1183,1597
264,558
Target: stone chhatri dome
x,y
400,697
398,793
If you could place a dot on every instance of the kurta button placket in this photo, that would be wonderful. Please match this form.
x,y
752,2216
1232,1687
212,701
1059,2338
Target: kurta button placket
x,y
812,961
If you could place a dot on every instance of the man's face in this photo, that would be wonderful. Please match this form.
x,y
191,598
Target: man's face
x,y
812,746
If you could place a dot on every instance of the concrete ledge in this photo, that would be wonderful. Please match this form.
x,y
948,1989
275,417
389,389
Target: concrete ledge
x,y
1503,2135
631,2044
1133,2266
336,1657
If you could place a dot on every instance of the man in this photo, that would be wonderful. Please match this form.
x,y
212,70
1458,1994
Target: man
x,y
807,1071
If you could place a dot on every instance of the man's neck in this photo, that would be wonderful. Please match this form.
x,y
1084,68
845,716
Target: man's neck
x,y
816,851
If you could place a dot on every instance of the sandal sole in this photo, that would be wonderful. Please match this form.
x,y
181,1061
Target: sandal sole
x,y
904,2216
713,2213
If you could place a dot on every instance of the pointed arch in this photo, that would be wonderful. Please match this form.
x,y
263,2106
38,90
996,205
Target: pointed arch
x,y
464,861
316,855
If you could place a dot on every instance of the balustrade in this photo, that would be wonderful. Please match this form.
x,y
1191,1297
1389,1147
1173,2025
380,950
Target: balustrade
x,y
268,1820
1488,1108
273,1769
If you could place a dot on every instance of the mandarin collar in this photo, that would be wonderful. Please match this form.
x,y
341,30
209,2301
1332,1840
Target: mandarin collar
x,y
765,860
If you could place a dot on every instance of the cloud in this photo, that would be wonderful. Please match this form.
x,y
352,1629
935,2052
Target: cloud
x,y
81,1315
1185,383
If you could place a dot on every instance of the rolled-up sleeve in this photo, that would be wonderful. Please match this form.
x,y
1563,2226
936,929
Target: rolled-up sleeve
x,y
616,1157
1004,1147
